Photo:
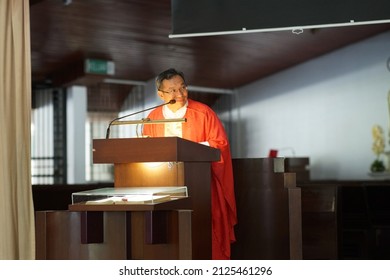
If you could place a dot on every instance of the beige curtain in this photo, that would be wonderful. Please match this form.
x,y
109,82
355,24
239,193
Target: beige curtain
x,y
17,233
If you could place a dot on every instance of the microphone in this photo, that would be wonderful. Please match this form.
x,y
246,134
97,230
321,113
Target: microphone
x,y
172,101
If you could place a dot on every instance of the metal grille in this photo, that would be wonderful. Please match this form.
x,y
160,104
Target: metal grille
x,y
48,137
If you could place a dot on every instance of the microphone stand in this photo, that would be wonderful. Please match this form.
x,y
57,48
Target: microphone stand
x,y
148,121
173,101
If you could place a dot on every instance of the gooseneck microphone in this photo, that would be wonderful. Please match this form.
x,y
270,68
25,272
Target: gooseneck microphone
x,y
172,101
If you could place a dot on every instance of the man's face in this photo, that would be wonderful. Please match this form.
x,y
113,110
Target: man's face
x,y
175,88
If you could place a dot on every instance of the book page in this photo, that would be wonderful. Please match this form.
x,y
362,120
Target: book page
x,y
131,199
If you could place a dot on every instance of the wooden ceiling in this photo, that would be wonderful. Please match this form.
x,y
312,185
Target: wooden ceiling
x,y
134,34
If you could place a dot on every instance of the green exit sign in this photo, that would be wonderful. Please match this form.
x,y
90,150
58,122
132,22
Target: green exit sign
x,y
99,66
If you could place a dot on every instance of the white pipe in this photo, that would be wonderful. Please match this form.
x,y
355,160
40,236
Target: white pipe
x,y
210,90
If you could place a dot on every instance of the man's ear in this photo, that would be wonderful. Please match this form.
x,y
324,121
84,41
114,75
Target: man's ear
x,y
161,95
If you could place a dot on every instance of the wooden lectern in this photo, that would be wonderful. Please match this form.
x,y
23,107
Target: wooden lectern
x,y
182,163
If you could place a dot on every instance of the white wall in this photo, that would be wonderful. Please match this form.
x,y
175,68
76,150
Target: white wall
x,y
76,112
324,109
141,98
151,97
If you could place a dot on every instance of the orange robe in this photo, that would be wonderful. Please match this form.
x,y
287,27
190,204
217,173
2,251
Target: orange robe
x,y
203,125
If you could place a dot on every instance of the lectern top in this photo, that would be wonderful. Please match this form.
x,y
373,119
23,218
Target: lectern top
x,y
153,149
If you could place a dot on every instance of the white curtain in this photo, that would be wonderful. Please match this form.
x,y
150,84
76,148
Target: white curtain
x,y
17,230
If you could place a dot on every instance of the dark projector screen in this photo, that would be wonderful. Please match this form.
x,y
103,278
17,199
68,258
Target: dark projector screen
x,y
207,17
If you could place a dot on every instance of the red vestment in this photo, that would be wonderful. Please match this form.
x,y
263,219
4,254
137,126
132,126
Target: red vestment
x,y
204,125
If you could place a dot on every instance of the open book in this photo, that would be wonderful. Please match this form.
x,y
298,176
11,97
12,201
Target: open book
x,y
131,199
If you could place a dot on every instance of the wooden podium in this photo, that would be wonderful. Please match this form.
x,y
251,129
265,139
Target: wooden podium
x,y
181,163
178,229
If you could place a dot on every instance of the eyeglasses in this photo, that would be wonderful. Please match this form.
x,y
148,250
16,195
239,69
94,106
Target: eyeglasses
x,y
182,89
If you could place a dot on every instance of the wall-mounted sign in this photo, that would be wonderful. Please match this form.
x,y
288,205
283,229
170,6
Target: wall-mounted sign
x,y
99,66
